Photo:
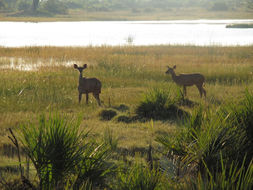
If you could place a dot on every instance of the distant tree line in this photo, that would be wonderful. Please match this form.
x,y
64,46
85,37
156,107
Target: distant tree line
x,y
48,7
62,6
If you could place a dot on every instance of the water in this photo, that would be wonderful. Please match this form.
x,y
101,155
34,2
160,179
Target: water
x,y
22,64
99,33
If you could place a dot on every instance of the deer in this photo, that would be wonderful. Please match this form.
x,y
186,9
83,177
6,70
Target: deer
x,y
185,80
88,85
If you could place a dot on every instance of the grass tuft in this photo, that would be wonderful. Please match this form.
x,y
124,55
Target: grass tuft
x,y
107,114
158,104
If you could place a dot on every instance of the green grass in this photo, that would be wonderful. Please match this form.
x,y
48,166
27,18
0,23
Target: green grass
x,y
132,77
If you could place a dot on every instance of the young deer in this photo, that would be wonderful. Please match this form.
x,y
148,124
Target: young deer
x,y
188,80
88,85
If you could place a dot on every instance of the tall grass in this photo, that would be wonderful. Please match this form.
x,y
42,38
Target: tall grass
x,y
191,146
158,104
240,116
54,147
138,177
231,177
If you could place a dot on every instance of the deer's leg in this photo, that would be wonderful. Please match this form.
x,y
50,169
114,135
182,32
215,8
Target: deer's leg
x,y
97,98
200,90
80,97
184,90
204,91
87,98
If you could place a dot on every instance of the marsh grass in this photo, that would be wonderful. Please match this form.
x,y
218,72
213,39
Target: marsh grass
x,y
158,104
127,73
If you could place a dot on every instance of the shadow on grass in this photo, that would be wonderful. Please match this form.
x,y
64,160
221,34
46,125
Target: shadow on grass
x,y
107,114
166,112
187,103
172,113
121,108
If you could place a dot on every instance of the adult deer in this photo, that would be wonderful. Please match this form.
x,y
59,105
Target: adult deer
x,y
88,85
188,80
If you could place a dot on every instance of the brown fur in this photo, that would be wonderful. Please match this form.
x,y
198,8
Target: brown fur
x,y
88,85
188,80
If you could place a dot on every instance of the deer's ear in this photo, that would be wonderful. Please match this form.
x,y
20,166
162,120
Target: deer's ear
x,y
85,66
75,66
174,66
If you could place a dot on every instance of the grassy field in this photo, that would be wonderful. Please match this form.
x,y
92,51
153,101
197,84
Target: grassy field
x,y
42,80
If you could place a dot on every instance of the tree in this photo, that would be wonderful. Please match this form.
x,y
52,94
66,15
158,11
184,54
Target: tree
x,y
250,4
35,5
55,7
2,4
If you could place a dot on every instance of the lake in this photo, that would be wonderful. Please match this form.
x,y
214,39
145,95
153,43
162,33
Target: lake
x,y
114,33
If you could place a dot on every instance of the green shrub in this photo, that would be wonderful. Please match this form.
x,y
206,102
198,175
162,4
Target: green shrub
x,y
24,5
199,144
62,155
157,104
54,147
55,7
239,26
107,114
219,6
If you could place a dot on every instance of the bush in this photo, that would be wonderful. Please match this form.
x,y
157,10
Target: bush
x,y
54,147
219,6
107,114
61,156
157,104
24,5
55,7
2,5
199,145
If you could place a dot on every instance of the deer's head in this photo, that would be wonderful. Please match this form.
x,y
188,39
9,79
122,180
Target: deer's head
x,y
170,70
80,69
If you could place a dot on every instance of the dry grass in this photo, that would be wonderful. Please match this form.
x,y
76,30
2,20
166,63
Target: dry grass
x,y
126,73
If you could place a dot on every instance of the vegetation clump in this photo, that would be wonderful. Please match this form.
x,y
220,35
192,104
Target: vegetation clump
x,y
157,104
107,114
62,156
215,146
239,26
124,119
211,148
138,176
